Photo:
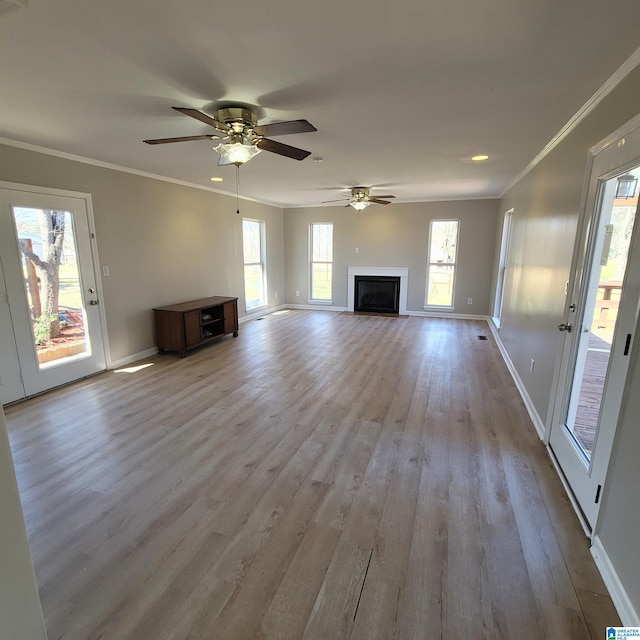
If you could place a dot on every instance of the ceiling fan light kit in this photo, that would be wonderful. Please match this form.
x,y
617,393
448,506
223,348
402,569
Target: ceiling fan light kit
x,y
236,152
244,137
359,205
361,198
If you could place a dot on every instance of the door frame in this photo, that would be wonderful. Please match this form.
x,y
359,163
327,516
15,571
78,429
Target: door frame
x,y
95,261
591,200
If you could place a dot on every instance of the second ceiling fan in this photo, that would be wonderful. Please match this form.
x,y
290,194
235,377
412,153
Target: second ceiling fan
x,y
360,199
242,136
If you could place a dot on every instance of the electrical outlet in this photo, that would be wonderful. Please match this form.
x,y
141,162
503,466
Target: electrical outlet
x,y
105,271
298,294
275,295
357,249
532,365
469,300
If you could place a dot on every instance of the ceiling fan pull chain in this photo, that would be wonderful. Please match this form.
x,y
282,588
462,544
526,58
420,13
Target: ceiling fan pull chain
x,y
237,189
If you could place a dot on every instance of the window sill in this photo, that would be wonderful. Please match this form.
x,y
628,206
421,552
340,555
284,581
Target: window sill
x,y
325,302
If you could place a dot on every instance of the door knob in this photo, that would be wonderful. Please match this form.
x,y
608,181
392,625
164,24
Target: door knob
x,y
565,327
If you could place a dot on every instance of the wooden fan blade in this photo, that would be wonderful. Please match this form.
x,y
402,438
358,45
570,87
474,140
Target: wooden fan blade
x,y
378,201
284,128
385,197
183,139
203,117
282,149
339,200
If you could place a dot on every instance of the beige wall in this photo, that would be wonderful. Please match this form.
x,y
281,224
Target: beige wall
x,y
547,208
20,612
395,235
163,243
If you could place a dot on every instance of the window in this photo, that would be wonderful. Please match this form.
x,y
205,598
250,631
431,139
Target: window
x,y
254,268
502,266
321,260
441,270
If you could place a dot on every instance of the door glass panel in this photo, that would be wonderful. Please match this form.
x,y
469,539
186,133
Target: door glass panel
x,y
601,312
51,278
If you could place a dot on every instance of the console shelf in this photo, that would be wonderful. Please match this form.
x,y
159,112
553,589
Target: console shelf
x,y
186,325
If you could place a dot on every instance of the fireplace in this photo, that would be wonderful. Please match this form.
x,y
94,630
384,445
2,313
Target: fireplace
x,y
377,294
398,273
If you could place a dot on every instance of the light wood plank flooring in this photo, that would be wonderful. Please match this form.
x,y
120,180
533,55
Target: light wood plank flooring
x,y
324,476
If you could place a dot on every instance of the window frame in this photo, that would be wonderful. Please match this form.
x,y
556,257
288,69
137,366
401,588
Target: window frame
x,y
503,264
430,263
313,262
262,263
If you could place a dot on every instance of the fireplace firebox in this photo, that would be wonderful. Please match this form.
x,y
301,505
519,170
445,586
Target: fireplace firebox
x,y
377,294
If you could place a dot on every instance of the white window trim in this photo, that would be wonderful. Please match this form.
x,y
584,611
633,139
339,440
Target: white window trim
x,y
310,300
441,307
263,263
503,263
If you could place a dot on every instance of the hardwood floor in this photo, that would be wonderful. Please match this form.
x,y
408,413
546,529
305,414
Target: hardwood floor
x,y
324,476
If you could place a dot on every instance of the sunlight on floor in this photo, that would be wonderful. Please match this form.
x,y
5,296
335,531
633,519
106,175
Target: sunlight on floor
x,y
140,367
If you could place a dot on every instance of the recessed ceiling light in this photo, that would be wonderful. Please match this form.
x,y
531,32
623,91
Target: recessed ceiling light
x,y
216,179
479,158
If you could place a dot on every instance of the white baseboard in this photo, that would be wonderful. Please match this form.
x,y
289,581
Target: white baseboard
x,y
628,615
261,313
312,307
116,364
420,314
445,314
538,423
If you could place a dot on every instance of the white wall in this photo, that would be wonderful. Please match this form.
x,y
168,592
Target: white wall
x,y
20,612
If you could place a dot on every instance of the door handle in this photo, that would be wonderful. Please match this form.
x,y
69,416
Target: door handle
x,y
565,327
93,302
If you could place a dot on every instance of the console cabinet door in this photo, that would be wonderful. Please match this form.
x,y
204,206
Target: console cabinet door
x,y
231,316
192,329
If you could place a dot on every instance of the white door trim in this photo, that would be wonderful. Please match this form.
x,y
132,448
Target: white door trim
x,y
606,160
86,197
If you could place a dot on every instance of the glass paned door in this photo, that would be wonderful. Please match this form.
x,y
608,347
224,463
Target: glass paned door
x,y
52,316
598,327
598,330
51,276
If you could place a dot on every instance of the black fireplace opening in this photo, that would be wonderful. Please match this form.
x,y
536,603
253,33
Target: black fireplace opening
x,y
377,294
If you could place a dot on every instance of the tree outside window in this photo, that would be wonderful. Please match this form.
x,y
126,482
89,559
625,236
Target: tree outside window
x,y
321,261
441,269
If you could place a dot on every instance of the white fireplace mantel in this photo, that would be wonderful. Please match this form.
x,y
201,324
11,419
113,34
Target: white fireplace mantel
x,y
394,272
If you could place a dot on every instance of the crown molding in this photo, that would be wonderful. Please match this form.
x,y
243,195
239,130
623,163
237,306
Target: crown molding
x,y
116,167
622,72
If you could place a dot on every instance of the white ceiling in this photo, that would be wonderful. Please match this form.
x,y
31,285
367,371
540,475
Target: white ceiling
x,y
402,92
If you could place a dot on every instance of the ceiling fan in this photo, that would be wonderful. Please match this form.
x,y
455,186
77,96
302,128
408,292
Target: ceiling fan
x,y
360,199
243,137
